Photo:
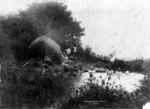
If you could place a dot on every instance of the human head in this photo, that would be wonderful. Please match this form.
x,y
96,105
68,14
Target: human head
x,y
119,68
92,68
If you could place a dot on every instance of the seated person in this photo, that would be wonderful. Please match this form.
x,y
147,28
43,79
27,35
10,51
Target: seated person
x,y
65,59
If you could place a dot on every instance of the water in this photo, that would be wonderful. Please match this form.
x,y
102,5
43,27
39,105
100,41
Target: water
x,y
129,82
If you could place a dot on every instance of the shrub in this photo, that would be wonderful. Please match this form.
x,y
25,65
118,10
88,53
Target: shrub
x,y
22,33
21,86
146,65
105,96
131,65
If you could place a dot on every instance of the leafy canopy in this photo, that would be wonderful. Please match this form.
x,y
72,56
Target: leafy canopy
x,y
47,18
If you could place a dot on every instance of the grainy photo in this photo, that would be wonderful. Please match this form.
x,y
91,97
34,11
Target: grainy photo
x,y
74,54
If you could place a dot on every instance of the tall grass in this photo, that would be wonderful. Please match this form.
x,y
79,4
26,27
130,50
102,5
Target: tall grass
x,y
107,97
28,87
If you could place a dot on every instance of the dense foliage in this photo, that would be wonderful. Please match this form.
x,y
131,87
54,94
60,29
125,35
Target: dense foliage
x,y
137,65
23,86
50,18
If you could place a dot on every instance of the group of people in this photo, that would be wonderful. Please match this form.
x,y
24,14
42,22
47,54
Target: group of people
x,y
68,54
109,72
71,52
118,72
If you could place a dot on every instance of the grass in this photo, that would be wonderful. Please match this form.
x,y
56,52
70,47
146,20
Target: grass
x,y
22,86
108,97
28,87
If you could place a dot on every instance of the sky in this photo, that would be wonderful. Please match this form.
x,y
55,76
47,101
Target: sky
x,y
120,26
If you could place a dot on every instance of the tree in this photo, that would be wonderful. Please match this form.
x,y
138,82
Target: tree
x,y
4,43
54,20
49,18
22,33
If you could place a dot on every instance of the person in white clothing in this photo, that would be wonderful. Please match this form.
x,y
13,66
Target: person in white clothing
x,y
109,72
75,49
119,72
127,72
91,71
68,51
65,59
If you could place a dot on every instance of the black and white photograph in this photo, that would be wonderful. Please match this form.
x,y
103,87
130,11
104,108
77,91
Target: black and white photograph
x,y
74,54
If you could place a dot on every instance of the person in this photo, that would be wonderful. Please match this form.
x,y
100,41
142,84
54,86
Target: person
x,y
65,57
91,71
68,51
75,52
71,55
118,72
109,72
75,49
127,72
65,60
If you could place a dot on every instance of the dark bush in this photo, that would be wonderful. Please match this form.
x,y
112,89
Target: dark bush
x,y
21,86
131,65
22,33
120,63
